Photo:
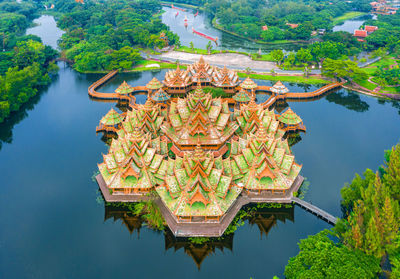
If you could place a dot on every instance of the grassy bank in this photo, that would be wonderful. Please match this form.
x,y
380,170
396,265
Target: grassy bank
x,y
254,56
346,16
385,62
296,79
196,50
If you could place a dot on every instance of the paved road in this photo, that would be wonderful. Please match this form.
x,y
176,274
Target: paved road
x,y
232,61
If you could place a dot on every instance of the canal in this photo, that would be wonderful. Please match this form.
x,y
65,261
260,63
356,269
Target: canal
x,y
202,23
52,219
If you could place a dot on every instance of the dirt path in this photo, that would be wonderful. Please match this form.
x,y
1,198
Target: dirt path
x,y
221,59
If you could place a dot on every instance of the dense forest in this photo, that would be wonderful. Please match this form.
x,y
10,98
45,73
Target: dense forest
x,y
366,241
25,63
107,35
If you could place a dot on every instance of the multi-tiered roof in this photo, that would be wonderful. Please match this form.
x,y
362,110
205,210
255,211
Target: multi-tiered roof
x,y
279,88
199,119
133,163
225,78
177,78
124,89
201,72
154,84
147,117
196,185
197,154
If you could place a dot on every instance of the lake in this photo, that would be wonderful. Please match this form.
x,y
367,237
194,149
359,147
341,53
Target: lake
x,y
351,24
53,222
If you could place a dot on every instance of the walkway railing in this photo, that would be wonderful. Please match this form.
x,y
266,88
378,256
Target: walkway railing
x,y
105,96
298,96
315,210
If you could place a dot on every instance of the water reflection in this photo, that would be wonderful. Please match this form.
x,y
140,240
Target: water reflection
x,y
258,215
394,103
7,127
350,101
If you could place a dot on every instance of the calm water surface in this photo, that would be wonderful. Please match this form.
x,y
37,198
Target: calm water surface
x,y
52,225
46,25
351,24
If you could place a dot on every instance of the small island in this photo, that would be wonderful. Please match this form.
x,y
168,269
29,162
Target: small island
x,y
203,159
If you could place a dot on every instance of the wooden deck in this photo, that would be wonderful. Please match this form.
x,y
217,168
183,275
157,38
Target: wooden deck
x,y
315,210
209,228
117,197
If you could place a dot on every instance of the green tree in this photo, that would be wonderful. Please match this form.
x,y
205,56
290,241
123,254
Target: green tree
x,y
304,55
320,257
391,177
342,69
277,55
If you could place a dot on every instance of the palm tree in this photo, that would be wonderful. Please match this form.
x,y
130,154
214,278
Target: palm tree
x,y
191,46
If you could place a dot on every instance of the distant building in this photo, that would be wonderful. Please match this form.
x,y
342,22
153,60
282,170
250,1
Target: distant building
x,y
292,25
361,34
382,8
370,28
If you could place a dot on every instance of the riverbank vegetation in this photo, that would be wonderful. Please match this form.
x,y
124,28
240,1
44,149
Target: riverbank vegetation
x,y
107,35
367,240
25,63
247,17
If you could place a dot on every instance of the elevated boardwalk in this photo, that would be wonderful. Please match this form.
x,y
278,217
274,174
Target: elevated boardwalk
x,y
266,89
104,96
315,210
314,94
112,96
290,96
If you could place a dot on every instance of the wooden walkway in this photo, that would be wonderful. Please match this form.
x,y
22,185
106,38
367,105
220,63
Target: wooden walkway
x,y
142,89
112,96
316,93
315,210
290,96
105,96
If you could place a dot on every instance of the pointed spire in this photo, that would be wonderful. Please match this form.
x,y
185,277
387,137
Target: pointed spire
x,y
201,60
148,105
262,133
198,92
252,106
136,134
198,152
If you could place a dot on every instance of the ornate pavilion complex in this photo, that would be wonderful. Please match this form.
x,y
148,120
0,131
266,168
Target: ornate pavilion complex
x,y
201,158
182,82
